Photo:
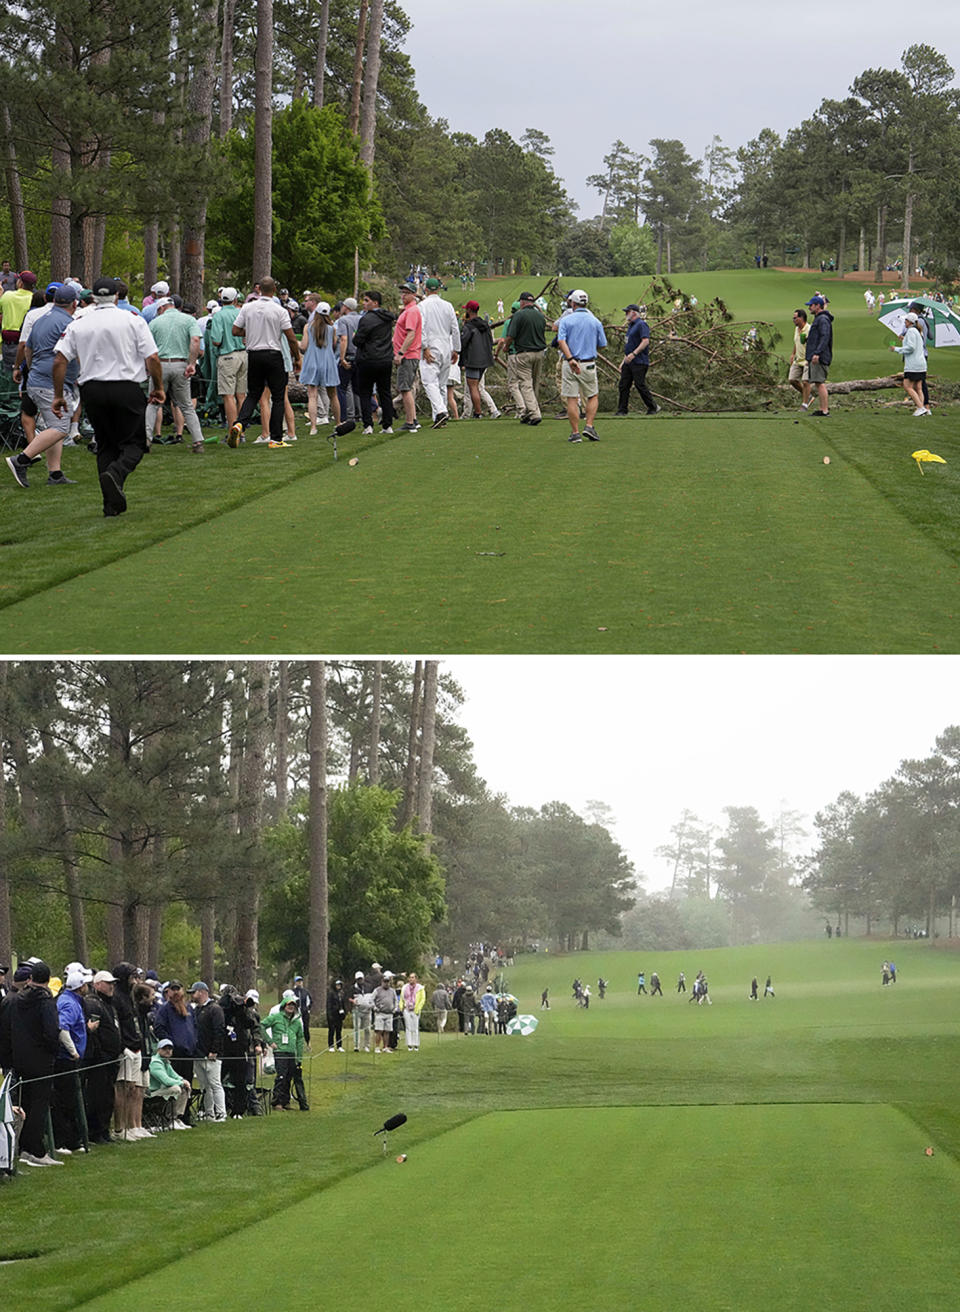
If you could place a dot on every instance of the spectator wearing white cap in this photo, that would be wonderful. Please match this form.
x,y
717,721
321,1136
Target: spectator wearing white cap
x,y
68,1134
230,355
166,1083
361,1005
157,292
580,337
102,1056
318,369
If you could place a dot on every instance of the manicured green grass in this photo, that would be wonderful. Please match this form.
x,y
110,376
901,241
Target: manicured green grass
x,y
714,1207
694,534
748,1152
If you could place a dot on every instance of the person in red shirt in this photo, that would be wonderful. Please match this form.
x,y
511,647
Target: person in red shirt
x,y
407,340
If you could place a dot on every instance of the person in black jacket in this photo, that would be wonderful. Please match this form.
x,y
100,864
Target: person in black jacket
x,y
336,1010
30,1042
211,1033
374,364
476,353
819,352
102,1056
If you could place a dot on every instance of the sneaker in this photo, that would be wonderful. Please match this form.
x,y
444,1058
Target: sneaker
x,y
918,412
179,1125
534,421
387,431
262,440
67,1152
114,502
304,1107
331,1050
495,414
69,441
290,437
440,421
275,446
805,405
30,1160
346,427
820,414
524,419
368,431
234,436
625,414
574,437
656,410
591,433
196,446
19,471
411,428
60,480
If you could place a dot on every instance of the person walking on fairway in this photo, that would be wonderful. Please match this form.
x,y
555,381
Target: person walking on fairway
x,y
544,1000
655,985
768,989
754,990
641,983
819,351
682,983
636,362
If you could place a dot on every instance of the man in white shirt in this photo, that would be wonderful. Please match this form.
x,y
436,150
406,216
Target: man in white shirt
x,y
115,351
262,324
441,347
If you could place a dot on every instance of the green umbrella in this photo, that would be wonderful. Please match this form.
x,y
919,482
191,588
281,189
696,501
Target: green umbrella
x,y
522,1025
943,324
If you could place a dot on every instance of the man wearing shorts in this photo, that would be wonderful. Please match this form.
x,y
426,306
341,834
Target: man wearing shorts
x,y
39,357
819,351
580,336
407,340
798,375
384,1005
231,356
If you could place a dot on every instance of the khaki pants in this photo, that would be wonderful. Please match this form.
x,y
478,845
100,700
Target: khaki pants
x,y
529,366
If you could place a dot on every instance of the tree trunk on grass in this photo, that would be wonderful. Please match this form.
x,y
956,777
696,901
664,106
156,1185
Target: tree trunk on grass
x,y
263,144
428,739
319,919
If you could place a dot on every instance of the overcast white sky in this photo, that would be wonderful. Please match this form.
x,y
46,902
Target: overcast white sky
x,y
588,74
651,735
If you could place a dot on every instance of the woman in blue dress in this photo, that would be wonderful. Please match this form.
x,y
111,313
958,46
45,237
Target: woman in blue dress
x,y
319,367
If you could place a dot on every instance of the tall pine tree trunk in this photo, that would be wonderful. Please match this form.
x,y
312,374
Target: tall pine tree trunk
x,y
263,144
281,736
413,729
354,121
319,919
428,739
200,101
371,79
373,759
226,67
252,781
14,195
320,62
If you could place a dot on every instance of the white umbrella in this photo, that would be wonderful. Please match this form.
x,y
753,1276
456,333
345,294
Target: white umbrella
x,y
943,324
522,1025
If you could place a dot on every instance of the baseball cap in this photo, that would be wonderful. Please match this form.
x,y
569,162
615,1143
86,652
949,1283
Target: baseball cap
x,y
298,977
376,966
404,287
432,284
472,305
527,296
358,974
213,305
164,1043
65,295
163,300
104,977
251,993
51,287
628,308
160,288
229,294
911,317
350,303
323,307
579,297
21,973
104,287
199,985
41,972
815,300
75,979
515,306
27,278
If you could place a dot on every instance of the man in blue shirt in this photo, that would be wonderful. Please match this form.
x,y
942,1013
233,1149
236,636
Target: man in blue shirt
x,y
580,336
636,362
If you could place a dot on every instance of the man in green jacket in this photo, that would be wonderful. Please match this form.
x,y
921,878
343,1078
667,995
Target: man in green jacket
x,y
284,1030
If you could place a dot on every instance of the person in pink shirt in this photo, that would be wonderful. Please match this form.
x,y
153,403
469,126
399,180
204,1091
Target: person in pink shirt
x,y
407,338
412,997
